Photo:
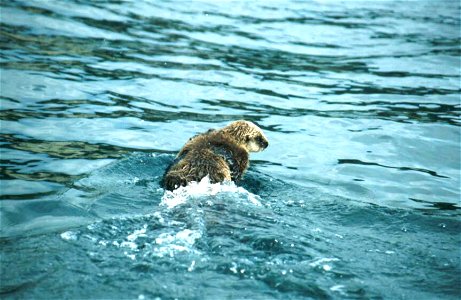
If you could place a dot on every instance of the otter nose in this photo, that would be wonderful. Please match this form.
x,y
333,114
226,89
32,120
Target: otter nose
x,y
264,144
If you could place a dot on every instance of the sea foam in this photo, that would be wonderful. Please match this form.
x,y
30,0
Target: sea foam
x,y
202,188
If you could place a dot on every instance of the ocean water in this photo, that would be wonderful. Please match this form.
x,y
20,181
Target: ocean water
x,y
356,197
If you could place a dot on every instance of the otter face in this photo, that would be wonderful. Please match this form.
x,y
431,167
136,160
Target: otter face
x,y
256,144
248,135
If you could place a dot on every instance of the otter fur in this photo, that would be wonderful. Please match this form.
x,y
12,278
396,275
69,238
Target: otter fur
x,y
221,154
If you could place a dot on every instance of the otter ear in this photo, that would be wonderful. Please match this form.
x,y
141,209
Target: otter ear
x,y
247,138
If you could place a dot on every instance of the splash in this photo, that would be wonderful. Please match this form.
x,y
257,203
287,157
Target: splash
x,y
205,188
171,235
168,244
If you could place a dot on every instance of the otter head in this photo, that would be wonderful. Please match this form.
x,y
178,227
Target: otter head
x,y
247,135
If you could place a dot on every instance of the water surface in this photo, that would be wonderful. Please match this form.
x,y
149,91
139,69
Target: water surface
x,y
357,196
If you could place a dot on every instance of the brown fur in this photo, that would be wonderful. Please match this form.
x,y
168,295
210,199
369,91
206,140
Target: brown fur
x,y
221,154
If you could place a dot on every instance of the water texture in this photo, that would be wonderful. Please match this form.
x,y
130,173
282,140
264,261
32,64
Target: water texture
x,y
356,197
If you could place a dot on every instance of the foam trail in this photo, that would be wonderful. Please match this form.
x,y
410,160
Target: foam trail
x,y
195,189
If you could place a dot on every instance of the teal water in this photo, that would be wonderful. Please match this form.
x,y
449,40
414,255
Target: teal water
x,y
357,196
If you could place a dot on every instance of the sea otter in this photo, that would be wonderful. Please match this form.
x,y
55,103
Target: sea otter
x,y
221,154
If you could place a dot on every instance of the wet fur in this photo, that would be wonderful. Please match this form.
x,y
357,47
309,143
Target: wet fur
x,y
221,154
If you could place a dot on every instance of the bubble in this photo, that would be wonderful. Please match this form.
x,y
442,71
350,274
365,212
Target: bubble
x,y
69,236
337,288
137,233
131,256
320,261
191,267
233,269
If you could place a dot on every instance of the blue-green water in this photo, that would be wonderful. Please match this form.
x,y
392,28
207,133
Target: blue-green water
x,y
357,196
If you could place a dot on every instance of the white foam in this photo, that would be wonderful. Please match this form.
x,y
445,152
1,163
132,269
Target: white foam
x,y
131,245
339,288
182,241
137,233
191,267
131,256
69,236
205,188
326,267
320,261
233,268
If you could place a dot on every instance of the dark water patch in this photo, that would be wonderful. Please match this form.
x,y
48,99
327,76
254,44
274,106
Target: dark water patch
x,y
64,149
408,74
38,176
438,205
358,162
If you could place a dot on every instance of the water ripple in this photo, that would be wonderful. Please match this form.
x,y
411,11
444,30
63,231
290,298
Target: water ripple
x,y
360,102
